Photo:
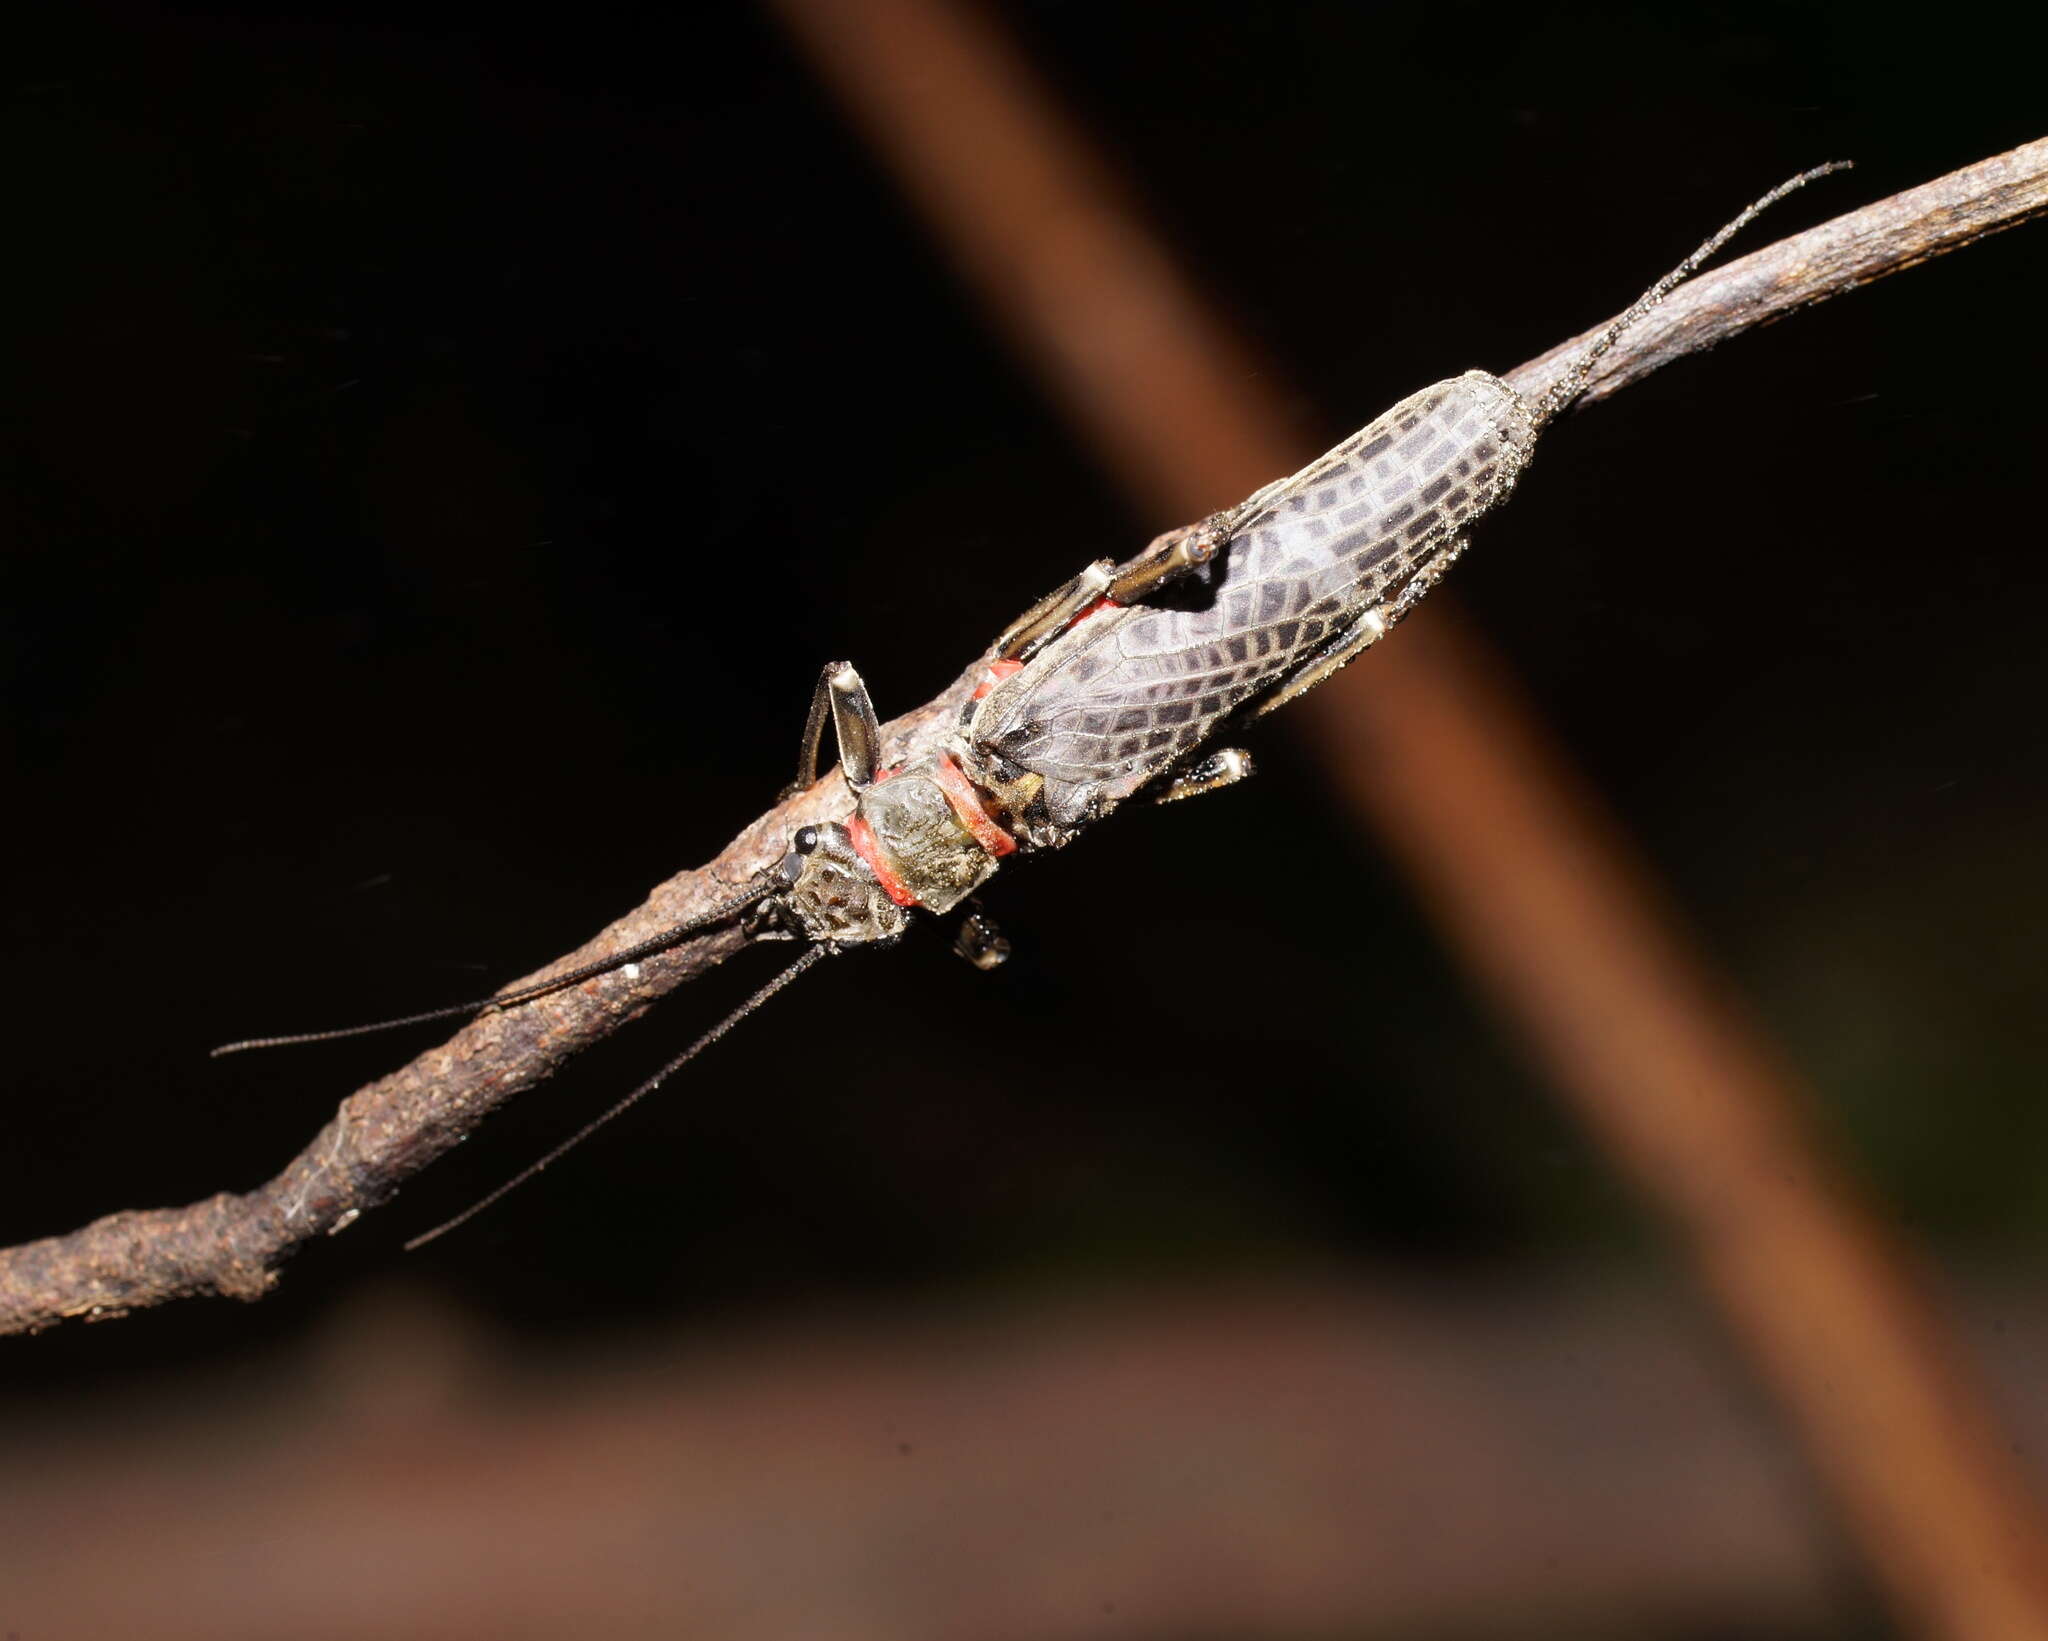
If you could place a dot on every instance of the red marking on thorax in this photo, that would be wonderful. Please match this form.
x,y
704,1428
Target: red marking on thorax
x,y
965,798
996,673
862,836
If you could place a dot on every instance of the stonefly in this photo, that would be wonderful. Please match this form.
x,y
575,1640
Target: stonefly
x,y
1111,687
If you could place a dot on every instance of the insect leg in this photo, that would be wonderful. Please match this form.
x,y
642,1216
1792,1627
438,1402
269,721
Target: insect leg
x,y
1220,769
1371,627
980,941
1169,557
841,695
1424,579
1368,630
1049,617
814,731
1166,559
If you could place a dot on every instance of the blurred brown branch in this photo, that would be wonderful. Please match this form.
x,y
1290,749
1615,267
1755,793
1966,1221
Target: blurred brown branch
x,y
233,1244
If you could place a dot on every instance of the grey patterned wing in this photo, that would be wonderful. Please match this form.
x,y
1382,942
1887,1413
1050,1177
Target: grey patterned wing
x,y
1127,693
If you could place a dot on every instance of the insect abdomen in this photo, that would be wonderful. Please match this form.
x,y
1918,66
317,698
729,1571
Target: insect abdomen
x,y
1124,695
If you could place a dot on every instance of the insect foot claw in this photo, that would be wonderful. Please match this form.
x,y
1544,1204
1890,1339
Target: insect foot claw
x,y
981,942
1218,770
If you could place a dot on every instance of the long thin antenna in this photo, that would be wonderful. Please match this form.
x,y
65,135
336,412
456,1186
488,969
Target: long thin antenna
x,y
526,994
809,956
1569,386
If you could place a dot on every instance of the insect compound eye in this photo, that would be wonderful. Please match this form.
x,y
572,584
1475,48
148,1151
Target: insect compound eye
x,y
805,841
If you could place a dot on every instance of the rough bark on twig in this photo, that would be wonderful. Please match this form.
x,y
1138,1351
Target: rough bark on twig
x,y
233,1244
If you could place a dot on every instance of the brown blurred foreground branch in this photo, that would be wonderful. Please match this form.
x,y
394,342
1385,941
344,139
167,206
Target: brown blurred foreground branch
x,y
233,1244
1297,1461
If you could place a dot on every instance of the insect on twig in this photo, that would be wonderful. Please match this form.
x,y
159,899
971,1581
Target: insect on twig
x,y
1112,686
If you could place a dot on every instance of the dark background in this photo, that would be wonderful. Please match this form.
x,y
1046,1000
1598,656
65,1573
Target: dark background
x,y
439,451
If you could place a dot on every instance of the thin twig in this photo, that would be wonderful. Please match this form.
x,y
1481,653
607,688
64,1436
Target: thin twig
x,y
233,1244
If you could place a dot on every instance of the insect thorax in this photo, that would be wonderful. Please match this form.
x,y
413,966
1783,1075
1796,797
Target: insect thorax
x,y
920,840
